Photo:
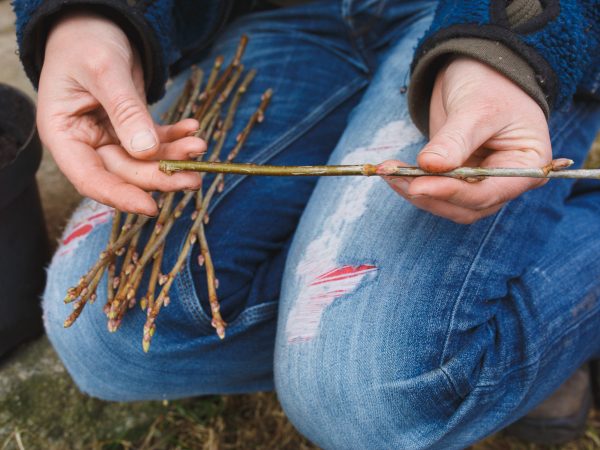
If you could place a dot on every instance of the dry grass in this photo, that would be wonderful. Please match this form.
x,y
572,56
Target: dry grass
x,y
257,422
221,423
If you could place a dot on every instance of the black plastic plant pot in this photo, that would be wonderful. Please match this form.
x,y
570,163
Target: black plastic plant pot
x,y
24,249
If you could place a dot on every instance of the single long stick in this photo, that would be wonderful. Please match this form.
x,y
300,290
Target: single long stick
x,y
554,170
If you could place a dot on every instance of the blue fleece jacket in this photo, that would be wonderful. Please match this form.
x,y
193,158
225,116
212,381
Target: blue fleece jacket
x,y
562,44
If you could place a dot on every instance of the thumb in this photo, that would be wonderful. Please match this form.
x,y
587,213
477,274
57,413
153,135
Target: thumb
x,y
128,113
453,143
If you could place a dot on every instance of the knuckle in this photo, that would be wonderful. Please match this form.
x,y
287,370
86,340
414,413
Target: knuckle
x,y
157,181
487,204
164,183
83,188
80,190
457,138
124,108
194,181
100,64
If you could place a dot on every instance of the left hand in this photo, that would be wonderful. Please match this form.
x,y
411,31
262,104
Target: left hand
x,y
478,117
93,117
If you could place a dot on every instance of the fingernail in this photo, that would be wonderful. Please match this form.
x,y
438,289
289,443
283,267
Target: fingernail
x,y
196,155
142,141
439,151
401,184
415,195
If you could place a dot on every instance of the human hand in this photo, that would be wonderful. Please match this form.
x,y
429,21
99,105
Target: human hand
x,y
477,117
92,116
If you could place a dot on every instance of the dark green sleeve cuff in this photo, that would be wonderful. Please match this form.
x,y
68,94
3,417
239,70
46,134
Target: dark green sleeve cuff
x,y
493,53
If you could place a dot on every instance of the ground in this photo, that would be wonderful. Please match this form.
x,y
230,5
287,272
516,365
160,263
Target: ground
x,y
40,408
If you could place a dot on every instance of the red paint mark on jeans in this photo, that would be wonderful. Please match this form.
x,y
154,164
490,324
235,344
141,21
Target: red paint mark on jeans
x,y
77,233
84,220
343,273
305,316
381,147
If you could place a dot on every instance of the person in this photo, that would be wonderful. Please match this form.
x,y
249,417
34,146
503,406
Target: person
x,y
429,315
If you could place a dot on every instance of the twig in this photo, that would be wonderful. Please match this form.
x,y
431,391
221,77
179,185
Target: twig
x,y
213,74
227,123
221,82
217,321
148,300
468,173
105,257
231,112
175,110
88,296
196,79
114,233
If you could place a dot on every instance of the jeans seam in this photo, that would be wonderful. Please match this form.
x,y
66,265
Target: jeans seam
x,y
254,314
460,296
190,300
451,382
549,347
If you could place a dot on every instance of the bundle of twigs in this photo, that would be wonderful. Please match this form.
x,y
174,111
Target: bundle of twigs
x,y
207,105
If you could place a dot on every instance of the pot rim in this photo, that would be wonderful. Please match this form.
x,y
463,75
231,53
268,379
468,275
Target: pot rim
x,y
33,129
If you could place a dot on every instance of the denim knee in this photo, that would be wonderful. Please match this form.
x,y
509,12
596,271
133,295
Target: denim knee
x,y
82,347
369,392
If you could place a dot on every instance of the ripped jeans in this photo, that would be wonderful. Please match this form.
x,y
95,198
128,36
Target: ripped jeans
x,y
379,325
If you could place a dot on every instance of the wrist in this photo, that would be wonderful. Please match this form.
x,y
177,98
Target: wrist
x,y
76,26
495,55
56,15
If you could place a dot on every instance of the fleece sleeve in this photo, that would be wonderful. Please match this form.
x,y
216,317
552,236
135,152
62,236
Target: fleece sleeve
x,y
149,25
547,47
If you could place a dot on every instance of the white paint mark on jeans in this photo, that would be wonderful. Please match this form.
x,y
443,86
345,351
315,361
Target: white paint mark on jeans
x,y
321,255
323,290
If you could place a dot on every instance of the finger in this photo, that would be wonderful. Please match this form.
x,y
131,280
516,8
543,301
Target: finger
x,y
185,148
84,168
181,129
441,208
145,174
114,88
454,142
489,192
388,167
477,196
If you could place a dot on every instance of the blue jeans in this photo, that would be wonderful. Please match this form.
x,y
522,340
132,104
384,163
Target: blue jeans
x,y
379,325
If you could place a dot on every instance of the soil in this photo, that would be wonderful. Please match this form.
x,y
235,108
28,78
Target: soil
x,y
9,147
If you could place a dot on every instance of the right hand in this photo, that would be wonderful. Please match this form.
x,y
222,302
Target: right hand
x,y
92,116
477,118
